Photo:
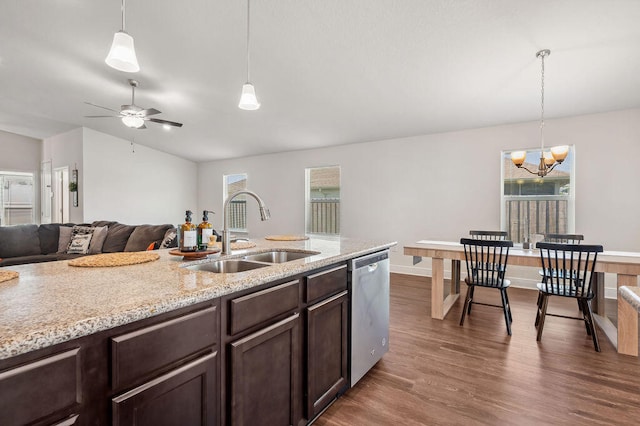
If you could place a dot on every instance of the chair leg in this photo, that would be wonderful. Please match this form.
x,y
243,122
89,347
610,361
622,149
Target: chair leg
x,y
505,307
506,295
543,314
582,304
472,291
594,335
467,303
539,309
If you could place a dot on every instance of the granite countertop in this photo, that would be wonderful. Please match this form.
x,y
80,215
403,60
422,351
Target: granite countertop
x,y
631,295
53,302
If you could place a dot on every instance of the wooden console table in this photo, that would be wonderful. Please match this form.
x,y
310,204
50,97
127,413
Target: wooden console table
x,y
625,264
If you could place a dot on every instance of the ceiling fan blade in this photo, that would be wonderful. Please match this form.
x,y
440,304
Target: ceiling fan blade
x,y
100,106
170,123
149,111
101,116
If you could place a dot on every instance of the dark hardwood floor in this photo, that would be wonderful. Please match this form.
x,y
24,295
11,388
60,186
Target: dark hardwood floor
x,y
438,373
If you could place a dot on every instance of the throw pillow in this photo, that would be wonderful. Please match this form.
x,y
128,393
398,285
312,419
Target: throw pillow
x,y
97,241
80,244
170,239
64,239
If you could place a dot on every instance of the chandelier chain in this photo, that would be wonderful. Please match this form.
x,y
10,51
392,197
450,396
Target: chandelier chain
x,y
542,105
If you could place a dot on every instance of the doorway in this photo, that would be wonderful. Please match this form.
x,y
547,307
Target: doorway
x,y
60,194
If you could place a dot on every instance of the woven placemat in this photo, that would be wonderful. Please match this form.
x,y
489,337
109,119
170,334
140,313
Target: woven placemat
x,y
238,245
8,275
115,259
286,237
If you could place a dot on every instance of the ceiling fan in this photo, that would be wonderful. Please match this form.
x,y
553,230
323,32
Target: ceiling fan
x,y
132,115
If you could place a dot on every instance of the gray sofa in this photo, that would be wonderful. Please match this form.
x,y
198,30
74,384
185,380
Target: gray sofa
x,y
22,244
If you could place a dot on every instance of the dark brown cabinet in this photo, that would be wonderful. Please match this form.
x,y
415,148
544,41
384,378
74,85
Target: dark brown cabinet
x,y
327,352
265,376
184,396
47,388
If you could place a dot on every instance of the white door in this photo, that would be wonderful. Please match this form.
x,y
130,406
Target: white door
x,y
46,192
61,195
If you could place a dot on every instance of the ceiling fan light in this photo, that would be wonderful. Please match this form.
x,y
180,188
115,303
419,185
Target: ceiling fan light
x,y
122,55
133,122
248,99
560,152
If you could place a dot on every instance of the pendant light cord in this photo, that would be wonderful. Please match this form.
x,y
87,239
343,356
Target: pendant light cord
x,y
122,10
248,26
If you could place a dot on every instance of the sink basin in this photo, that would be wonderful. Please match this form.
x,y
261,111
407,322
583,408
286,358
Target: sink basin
x,y
279,256
227,266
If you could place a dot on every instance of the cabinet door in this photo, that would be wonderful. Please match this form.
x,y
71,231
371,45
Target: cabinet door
x,y
327,360
185,396
265,376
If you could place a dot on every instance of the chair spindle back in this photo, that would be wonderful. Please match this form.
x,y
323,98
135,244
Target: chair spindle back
x,y
488,235
486,260
568,268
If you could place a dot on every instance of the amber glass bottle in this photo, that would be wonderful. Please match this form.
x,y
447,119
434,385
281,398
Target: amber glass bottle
x,y
205,230
188,234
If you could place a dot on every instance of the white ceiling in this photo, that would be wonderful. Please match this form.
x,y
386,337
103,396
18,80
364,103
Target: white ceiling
x,y
327,72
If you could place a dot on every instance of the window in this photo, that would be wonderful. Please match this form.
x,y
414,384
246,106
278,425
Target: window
x,y
238,206
16,198
323,200
535,205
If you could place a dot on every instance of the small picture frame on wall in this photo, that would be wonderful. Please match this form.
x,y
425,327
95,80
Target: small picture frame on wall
x,y
73,187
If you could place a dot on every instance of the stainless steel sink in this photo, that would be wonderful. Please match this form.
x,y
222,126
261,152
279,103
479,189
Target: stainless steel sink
x,y
228,266
279,256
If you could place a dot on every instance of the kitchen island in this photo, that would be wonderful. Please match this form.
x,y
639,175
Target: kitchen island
x,y
114,339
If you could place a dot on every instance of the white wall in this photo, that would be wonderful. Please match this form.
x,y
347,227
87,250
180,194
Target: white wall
x,y
65,150
147,186
19,153
22,154
440,186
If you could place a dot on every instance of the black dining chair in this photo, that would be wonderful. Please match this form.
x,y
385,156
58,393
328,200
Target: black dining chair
x,y
486,267
488,235
568,272
564,238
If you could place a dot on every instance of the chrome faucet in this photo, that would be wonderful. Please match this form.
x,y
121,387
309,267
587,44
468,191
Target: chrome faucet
x,y
226,233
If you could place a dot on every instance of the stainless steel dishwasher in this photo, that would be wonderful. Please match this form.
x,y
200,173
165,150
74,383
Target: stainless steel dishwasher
x,y
369,312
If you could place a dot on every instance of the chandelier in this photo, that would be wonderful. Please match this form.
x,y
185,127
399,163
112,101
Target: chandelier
x,y
556,155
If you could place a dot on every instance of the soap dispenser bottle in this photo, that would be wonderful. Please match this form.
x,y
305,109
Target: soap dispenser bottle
x,y
205,230
188,234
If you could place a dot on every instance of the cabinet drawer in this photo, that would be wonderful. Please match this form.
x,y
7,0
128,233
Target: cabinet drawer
x,y
141,353
255,308
40,388
326,283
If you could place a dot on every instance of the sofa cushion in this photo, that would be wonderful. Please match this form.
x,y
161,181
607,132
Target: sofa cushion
x,y
64,238
170,239
117,237
97,241
144,235
19,240
49,235
80,243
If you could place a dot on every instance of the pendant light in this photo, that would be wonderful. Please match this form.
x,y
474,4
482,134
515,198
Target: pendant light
x,y
122,55
248,99
557,154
